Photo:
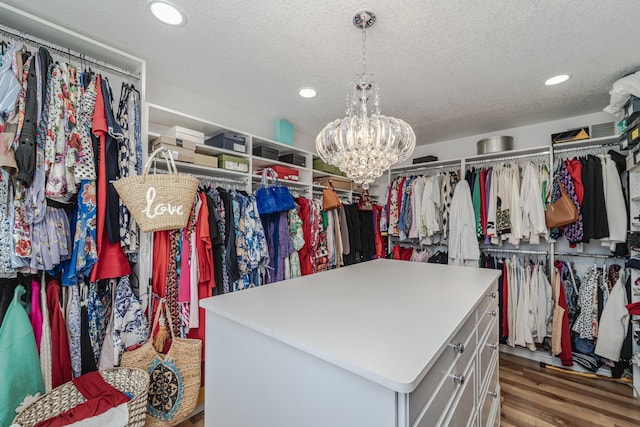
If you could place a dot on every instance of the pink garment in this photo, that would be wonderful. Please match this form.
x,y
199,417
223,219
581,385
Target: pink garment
x,y
35,315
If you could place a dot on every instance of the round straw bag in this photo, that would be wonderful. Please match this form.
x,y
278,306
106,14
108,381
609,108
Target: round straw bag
x,y
62,398
159,201
174,382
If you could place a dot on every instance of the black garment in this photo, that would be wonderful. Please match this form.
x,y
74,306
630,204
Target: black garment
x,y
355,241
26,150
367,235
216,243
470,177
626,352
112,155
594,210
87,359
231,260
7,288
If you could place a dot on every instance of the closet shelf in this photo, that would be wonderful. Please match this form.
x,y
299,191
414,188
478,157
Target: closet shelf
x,y
215,151
585,143
338,190
201,170
286,182
262,162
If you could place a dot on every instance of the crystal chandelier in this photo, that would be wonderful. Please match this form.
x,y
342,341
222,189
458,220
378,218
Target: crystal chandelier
x,y
362,145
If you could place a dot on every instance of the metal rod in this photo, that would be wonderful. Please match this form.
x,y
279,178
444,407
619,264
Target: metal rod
x,y
507,158
236,181
585,148
586,255
514,251
427,168
21,36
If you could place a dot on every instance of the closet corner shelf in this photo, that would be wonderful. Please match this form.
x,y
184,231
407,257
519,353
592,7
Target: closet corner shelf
x,y
262,162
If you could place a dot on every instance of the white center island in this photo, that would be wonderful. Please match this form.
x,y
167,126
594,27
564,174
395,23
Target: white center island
x,y
384,343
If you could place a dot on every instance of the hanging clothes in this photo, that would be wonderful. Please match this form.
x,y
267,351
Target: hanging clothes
x,y
463,244
19,363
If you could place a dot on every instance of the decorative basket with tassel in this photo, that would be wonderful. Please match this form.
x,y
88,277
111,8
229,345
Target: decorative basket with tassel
x,y
174,377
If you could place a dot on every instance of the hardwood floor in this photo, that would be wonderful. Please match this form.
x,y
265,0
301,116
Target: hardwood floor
x,y
536,396
533,396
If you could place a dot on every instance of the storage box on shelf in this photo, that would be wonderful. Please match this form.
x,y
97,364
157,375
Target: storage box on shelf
x,y
266,152
228,141
294,159
283,172
205,160
179,154
172,140
186,134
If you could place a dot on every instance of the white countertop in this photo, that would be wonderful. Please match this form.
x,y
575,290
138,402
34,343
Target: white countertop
x,y
384,320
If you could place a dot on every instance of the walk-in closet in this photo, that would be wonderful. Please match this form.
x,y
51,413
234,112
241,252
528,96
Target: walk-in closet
x,y
198,227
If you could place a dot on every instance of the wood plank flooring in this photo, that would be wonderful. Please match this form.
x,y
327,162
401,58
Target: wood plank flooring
x,y
533,396
536,396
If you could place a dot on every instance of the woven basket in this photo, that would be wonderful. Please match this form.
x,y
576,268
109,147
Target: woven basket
x,y
159,201
62,398
174,383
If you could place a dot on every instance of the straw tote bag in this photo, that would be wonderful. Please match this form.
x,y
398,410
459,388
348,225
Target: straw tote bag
x,y
159,201
174,382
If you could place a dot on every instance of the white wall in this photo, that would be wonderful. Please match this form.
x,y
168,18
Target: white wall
x,y
524,137
167,95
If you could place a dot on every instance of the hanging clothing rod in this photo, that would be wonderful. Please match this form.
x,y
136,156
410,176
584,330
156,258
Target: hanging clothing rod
x,y
235,181
585,255
455,165
507,158
23,37
514,251
585,148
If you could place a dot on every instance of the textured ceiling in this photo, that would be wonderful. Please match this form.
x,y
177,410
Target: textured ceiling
x,y
449,68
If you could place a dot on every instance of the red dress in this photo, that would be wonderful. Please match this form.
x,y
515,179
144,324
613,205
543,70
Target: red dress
x,y
112,261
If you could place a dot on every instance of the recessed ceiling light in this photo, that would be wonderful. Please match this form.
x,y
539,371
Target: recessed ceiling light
x,y
556,80
307,92
166,12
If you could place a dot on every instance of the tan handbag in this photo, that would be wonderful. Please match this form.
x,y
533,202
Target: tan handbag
x,y
159,201
330,199
174,377
561,212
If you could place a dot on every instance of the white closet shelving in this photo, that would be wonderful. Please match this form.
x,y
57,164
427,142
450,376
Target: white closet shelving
x,y
161,119
551,152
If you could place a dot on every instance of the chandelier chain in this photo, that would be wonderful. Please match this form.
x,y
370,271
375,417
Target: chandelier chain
x,y
364,53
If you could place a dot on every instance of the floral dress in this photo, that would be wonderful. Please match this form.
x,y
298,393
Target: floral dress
x,y
292,263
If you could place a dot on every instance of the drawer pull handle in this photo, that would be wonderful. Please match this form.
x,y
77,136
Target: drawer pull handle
x,y
493,346
493,313
458,379
458,347
493,394
492,295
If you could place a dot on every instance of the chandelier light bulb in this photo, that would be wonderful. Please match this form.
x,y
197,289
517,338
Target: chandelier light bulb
x,y
365,143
